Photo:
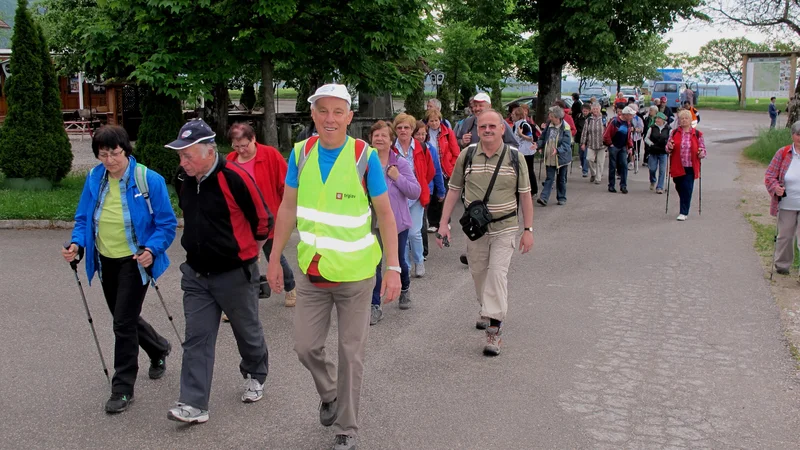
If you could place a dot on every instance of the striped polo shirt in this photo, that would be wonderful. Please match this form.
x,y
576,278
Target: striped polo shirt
x,y
503,198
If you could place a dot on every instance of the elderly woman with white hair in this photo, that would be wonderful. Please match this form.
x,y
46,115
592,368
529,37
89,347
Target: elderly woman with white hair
x,y
686,148
783,184
556,144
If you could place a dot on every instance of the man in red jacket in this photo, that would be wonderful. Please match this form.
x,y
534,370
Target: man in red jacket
x,y
268,168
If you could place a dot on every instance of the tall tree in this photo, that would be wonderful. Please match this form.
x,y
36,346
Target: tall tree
x,y
722,59
586,33
20,153
634,66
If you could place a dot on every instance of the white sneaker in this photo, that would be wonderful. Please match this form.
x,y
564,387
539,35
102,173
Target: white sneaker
x,y
682,217
187,414
253,390
432,229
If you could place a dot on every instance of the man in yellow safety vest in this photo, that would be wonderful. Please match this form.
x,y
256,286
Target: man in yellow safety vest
x,y
331,182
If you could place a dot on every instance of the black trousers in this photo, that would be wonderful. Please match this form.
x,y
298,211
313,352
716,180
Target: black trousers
x,y
532,174
124,292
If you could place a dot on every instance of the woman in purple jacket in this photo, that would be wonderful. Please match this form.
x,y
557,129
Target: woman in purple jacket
x,y
403,186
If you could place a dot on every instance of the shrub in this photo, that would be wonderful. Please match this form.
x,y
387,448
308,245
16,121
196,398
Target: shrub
x,y
162,118
248,97
415,102
767,143
54,140
21,152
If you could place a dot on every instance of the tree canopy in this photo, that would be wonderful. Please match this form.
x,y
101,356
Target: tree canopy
x,y
722,59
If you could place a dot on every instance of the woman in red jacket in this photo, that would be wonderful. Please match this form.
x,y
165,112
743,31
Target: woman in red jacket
x,y
419,157
268,168
444,140
686,148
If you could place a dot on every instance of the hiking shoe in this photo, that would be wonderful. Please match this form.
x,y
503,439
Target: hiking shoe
x,y
541,202
624,190
613,190
682,217
253,390
561,203
464,260
433,229
290,299
405,300
263,288
652,186
598,180
376,315
187,414
482,323
493,341
419,270
585,175
782,271
344,442
327,412
659,191
159,366
591,180
118,403
225,317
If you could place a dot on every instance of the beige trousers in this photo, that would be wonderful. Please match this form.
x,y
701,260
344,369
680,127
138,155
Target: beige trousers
x,y
788,231
312,320
597,161
489,258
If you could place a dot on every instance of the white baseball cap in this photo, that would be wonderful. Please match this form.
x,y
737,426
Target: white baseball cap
x,y
628,110
331,90
482,97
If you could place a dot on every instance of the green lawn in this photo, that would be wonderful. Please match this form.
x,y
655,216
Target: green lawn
x,y
58,203
768,142
732,104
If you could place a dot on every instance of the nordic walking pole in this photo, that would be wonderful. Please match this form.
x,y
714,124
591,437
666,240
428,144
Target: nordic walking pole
x,y
669,188
149,271
774,250
700,213
74,265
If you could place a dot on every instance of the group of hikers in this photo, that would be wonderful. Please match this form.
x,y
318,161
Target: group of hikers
x,y
363,212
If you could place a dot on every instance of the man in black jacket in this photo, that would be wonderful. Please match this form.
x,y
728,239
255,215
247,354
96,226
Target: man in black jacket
x,y
226,223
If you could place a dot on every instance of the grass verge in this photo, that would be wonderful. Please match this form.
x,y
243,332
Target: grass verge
x,y
767,143
58,203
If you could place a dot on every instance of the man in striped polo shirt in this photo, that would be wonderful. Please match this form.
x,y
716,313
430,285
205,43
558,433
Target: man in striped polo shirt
x,y
497,245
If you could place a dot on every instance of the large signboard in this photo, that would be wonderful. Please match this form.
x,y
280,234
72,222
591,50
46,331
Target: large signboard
x,y
768,77
671,74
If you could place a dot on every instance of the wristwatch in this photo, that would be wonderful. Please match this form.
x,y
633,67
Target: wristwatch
x,y
529,229
395,268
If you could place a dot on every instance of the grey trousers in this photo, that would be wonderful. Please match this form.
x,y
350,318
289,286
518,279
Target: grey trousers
x,y
312,320
204,300
788,231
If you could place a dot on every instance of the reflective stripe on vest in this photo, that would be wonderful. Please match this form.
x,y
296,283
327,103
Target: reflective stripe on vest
x,y
334,218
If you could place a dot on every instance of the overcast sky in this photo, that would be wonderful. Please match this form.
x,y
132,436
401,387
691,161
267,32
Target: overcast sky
x,y
689,38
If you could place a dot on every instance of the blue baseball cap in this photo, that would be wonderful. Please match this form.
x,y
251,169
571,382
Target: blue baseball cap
x,y
193,132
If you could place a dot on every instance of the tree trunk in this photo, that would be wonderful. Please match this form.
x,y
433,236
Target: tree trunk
x,y
738,90
497,96
216,111
549,87
619,86
269,124
794,110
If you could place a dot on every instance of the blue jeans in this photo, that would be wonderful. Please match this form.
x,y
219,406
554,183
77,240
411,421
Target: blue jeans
x,y
561,183
405,278
414,235
657,162
584,163
685,186
617,162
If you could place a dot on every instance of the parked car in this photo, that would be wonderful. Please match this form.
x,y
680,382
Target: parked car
x,y
599,92
633,91
530,101
673,90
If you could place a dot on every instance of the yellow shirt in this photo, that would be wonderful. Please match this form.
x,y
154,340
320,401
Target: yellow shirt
x,y
111,241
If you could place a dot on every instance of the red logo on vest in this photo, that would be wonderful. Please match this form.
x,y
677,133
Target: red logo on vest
x,y
339,196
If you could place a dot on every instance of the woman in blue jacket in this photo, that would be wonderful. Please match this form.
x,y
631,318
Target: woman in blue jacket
x,y
556,145
124,208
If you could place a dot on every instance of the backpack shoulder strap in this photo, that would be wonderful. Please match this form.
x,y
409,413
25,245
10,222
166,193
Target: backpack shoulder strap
x,y
362,159
302,158
140,178
468,158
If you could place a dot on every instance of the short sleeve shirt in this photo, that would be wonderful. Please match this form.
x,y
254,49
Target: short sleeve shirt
x,y
503,198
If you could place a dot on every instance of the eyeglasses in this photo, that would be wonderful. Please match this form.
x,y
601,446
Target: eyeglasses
x,y
108,155
241,146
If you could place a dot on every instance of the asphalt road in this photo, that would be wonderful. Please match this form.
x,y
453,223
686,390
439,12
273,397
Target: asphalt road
x,y
626,329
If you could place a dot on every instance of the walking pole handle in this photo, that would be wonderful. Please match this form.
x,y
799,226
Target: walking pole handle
x,y
78,257
148,270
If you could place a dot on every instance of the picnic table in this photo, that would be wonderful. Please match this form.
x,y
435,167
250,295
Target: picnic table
x,y
81,127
